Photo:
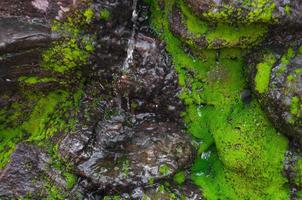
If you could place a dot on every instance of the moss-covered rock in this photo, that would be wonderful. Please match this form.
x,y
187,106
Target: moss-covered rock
x,y
276,76
201,34
251,11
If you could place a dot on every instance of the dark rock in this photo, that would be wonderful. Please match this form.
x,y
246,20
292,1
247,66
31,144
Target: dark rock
x,y
17,35
43,9
276,75
124,156
149,84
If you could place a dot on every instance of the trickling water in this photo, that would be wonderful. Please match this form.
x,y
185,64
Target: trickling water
x,y
131,42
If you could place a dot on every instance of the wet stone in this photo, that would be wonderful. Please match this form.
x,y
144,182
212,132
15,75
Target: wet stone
x,y
127,156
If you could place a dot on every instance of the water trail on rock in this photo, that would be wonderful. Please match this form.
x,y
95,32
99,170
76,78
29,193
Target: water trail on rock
x,y
131,42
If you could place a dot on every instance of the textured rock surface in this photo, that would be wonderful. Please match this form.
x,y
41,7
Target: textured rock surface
x,y
125,157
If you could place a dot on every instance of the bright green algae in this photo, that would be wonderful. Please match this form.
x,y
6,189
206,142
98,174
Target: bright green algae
x,y
241,154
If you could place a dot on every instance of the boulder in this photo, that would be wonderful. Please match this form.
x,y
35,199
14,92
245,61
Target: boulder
x,y
125,156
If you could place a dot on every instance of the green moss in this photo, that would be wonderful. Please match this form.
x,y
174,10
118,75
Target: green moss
x,y
300,50
74,50
45,119
297,170
89,14
264,68
179,177
241,154
295,106
111,198
34,80
104,14
125,167
287,9
164,169
70,180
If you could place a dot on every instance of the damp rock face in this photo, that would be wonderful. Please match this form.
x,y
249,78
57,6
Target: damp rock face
x,y
277,79
124,156
255,11
150,82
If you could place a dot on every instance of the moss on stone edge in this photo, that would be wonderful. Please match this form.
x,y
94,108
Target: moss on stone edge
x,y
263,74
76,46
241,155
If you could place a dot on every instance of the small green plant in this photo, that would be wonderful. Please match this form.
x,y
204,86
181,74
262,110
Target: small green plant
x,y
179,177
89,14
164,169
104,14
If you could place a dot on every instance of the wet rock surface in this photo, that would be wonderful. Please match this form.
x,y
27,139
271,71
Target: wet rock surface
x,y
124,157
132,136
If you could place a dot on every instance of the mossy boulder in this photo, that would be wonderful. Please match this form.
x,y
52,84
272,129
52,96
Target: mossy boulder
x,y
201,34
254,11
276,78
